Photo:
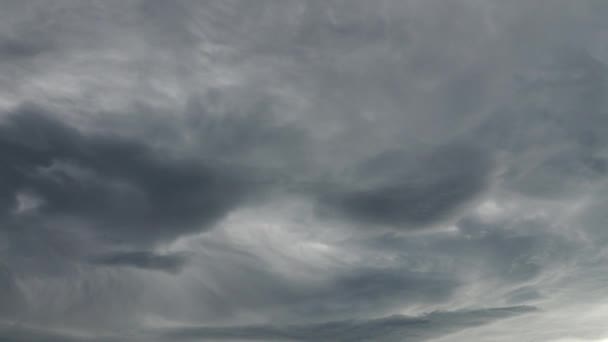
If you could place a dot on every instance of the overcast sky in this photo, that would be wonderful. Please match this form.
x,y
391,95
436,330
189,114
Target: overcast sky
x,y
304,170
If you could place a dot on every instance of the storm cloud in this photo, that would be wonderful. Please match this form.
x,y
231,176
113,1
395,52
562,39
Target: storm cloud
x,y
118,187
303,170
400,190
145,260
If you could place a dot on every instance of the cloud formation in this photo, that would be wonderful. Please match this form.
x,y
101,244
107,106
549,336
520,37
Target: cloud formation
x,y
172,263
303,170
394,328
399,190
118,187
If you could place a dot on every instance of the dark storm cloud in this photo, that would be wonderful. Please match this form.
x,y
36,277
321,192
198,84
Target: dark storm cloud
x,y
12,49
394,328
171,263
120,188
442,154
411,191
11,299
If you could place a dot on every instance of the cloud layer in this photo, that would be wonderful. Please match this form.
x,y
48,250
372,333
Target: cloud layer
x,y
303,170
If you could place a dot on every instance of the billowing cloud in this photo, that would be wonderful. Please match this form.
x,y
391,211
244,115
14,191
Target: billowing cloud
x,y
118,187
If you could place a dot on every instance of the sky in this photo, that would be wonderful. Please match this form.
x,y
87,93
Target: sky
x,y
303,170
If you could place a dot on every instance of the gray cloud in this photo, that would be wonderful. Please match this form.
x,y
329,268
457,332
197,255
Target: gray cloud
x,y
118,187
14,49
297,169
144,260
20,334
395,328
11,299
345,291
400,190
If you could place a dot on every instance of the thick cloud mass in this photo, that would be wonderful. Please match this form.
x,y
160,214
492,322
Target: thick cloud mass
x,y
395,189
121,188
310,170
